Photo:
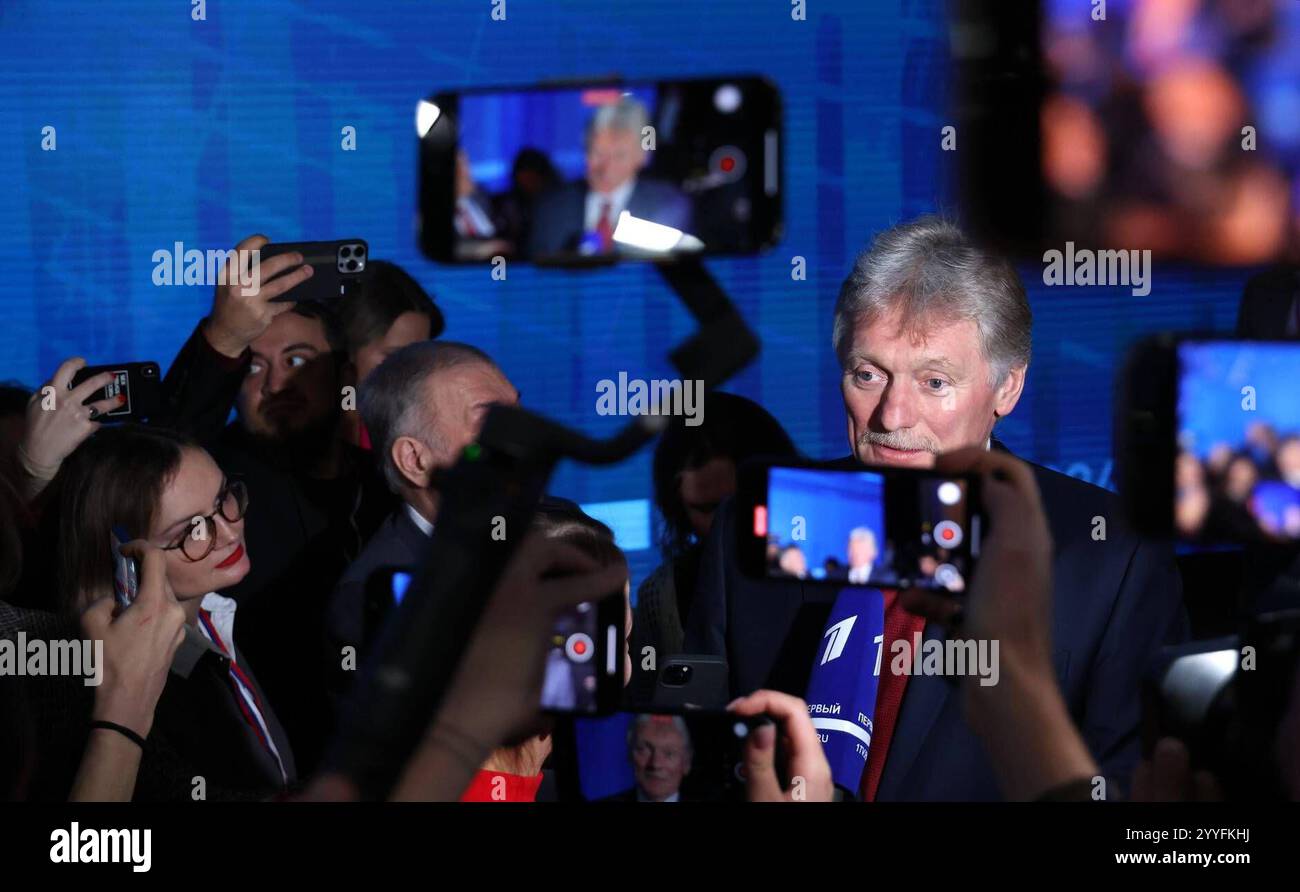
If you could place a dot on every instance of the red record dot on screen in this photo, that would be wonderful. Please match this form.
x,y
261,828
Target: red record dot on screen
x,y
728,164
579,647
947,534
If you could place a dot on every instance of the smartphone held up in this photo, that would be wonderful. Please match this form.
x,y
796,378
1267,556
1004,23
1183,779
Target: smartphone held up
x,y
867,526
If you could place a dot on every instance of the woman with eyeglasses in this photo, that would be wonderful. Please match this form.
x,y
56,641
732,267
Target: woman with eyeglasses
x,y
214,735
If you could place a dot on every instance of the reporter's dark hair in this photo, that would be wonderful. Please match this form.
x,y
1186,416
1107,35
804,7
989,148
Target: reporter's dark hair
x,y
563,520
116,477
389,291
735,428
329,320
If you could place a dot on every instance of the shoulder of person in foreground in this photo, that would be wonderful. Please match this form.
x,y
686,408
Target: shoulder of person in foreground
x,y
1118,600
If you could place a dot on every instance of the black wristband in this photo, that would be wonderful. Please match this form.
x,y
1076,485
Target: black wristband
x,y
120,729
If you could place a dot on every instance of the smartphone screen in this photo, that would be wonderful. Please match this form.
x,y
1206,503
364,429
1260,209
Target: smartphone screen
x,y
658,757
601,170
584,659
860,526
1237,465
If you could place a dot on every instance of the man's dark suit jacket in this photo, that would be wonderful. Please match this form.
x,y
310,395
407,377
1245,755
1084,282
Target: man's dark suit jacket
x,y
558,218
397,543
1116,602
1268,303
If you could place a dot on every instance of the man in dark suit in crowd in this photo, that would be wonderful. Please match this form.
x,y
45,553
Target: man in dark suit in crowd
x,y
933,336
582,216
422,405
1270,305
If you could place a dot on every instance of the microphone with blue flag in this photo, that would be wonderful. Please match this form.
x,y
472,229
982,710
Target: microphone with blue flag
x,y
841,693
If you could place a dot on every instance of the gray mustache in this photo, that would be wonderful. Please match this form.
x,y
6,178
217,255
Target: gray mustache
x,y
897,440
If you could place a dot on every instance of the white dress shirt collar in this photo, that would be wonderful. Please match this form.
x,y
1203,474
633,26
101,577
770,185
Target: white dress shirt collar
x,y
617,199
425,526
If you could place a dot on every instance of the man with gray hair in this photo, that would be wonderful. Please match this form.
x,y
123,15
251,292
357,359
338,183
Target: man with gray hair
x,y
932,334
422,406
660,752
581,217
862,553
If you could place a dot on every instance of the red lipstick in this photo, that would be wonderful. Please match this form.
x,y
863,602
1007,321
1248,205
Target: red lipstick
x,y
232,558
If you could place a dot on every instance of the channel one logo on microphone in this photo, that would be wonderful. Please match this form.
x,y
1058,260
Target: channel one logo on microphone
x,y
841,693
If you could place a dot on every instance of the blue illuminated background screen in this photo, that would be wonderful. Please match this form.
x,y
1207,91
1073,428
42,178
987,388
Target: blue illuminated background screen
x,y
169,129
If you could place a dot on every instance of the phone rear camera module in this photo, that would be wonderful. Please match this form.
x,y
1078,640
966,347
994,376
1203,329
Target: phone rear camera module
x,y
677,676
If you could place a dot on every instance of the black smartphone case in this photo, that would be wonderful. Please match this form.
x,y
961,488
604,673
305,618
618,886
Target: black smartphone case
x,y
140,381
339,268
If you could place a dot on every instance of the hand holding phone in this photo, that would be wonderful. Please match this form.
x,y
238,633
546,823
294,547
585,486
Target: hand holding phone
x,y
60,416
139,642
1022,720
336,269
498,686
802,773
242,307
133,391
1010,598
584,653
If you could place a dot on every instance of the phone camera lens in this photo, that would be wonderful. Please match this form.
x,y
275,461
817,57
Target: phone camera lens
x,y
677,675
345,251
352,264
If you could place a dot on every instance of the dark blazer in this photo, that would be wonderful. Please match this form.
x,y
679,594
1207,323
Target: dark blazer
x,y
397,543
558,217
198,729
1268,302
1116,602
